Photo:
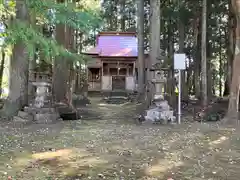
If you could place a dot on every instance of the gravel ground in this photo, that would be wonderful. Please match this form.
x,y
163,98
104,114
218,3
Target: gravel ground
x,y
107,144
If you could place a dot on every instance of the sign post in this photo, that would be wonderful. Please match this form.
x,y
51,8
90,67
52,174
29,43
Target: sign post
x,y
179,96
179,64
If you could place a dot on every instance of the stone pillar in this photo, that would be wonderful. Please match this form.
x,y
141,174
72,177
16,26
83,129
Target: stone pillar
x,y
159,81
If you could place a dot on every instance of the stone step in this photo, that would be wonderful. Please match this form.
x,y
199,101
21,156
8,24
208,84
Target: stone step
x,y
115,93
23,114
17,119
46,118
80,101
33,110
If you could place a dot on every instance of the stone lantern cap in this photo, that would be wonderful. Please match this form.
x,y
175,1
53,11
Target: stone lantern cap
x,y
41,84
158,67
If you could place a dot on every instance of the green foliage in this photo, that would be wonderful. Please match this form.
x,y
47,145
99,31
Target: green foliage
x,y
21,32
24,31
7,8
65,14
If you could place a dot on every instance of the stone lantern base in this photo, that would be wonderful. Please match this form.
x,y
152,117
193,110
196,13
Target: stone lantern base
x,y
160,112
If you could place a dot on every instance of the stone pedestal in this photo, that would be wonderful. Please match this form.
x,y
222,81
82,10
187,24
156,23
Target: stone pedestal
x,y
23,118
160,111
42,95
40,110
42,115
159,80
40,107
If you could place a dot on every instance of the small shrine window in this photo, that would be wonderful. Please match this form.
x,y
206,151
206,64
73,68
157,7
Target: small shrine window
x,y
130,70
105,69
94,75
123,71
113,71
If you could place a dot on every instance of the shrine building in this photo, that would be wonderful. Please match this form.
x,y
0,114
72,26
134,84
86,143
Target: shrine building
x,y
114,62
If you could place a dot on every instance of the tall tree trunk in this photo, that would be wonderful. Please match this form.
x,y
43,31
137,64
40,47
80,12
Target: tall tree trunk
x,y
213,90
32,63
209,47
209,68
111,19
123,20
171,72
209,77
190,81
226,87
155,21
231,47
60,68
196,58
181,50
70,46
18,83
2,69
234,93
220,68
141,60
204,54
80,48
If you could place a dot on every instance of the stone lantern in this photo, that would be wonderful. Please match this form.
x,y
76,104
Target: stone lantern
x,y
159,80
41,107
160,111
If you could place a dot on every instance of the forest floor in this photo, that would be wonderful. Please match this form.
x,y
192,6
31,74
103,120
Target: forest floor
x,y
109,145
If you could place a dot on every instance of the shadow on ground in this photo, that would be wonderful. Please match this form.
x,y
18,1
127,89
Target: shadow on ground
x,y
116,148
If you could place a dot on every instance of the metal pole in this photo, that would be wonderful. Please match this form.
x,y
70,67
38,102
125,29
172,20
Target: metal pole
x,y
179,97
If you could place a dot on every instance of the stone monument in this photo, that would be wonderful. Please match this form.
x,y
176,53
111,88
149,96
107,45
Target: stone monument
x,y
42,90
159,80
160,111
41,107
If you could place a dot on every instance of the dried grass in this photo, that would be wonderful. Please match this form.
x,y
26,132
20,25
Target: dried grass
x,y
111,147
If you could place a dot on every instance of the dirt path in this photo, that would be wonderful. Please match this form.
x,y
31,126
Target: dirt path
x,y
108,145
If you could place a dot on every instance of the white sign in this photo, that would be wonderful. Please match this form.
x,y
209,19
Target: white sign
x,y
180,61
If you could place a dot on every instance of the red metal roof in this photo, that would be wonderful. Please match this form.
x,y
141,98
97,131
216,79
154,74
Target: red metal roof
x,y
115,44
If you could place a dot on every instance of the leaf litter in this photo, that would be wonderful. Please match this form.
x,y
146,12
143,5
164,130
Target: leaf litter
x,y
111,146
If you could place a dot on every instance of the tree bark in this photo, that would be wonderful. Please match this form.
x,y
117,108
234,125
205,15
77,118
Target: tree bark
x,y
2,69
18,80
141,60
60,67
123,22
32,63
80,48
71,74
209,77
196,58
220,68
155,21
172,85
231,48
234,93
184,86
204,55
